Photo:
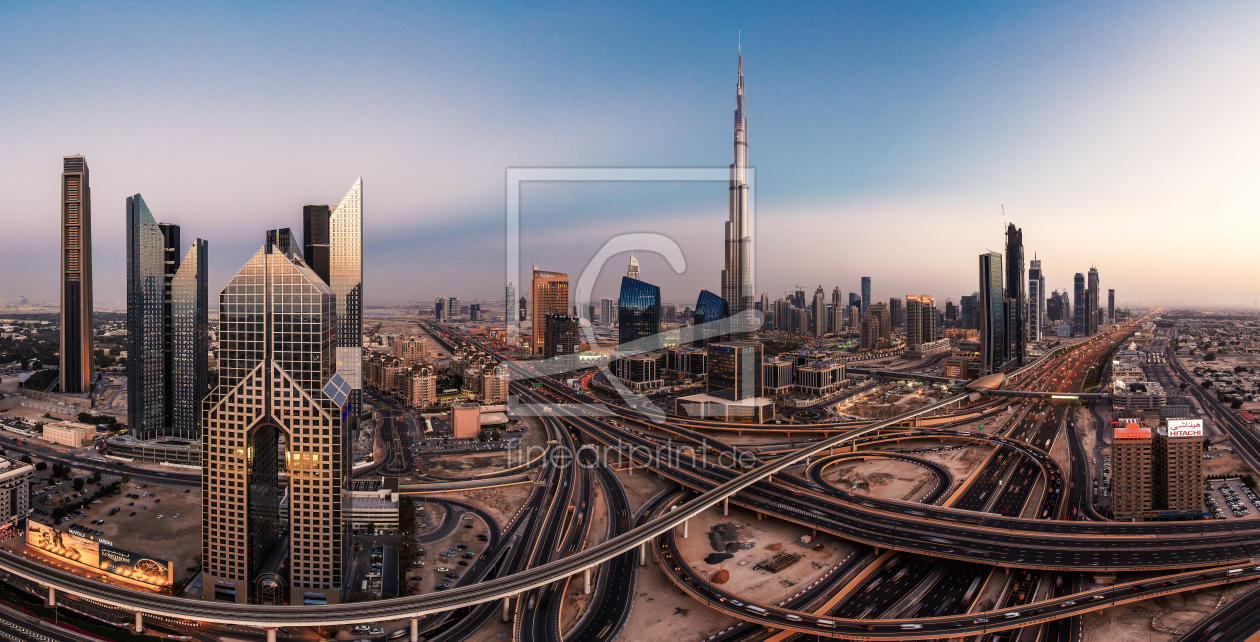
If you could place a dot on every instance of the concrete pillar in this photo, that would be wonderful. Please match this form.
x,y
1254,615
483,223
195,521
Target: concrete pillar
x,y
140,625
507,617
586,577
415,629
759,518
51,600
271,635
726,506
643,554
685,523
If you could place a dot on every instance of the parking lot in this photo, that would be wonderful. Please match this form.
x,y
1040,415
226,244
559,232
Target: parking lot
x,y
1236,493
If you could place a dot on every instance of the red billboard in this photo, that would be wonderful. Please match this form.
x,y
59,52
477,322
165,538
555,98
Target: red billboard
x,y
1131,431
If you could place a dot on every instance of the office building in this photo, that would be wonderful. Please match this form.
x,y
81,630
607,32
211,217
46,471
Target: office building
x,y
764,306
1080,305
1016,284
335,236
876,326
1111,306
737,277
551,296
992,318
509,312
896,312
710,309
639,373
1095,294
1036,301
168,336
1177,457
76,277
278,377
69,433
523,310
1131,470
866,292
560,336
920,320
969,311
454,308
439,309
474,312
735,370
818,313
951,310
639,311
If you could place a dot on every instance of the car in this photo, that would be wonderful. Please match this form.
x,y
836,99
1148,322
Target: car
x,y
911,627
443,569
462,563
144,508
133,513
176,516
982,620
160,516
377,631
443,587
1068,603
1099,597
1010,615
468,525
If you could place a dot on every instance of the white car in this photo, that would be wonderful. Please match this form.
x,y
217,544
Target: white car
x,y
160,516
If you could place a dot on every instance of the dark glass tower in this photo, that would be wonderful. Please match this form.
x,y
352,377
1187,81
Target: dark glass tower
x,y
992,315
1016,291
167,328
709,308
1080,306
76,276
866,293
315,238
639,314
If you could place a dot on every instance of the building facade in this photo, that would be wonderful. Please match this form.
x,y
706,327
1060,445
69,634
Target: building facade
x,y
920,319
735,370
992,319
15,492
1036,301
1017,307
639,310
1131,465
737,276
1177,479
551,297
278,379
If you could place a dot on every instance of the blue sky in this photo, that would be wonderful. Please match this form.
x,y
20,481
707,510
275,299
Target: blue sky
x,y
886,137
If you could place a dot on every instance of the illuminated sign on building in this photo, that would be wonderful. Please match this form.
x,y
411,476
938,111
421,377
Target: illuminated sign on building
x,y
1132,431
1185,427
98,555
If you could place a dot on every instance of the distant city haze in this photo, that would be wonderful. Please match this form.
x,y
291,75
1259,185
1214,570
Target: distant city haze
x,y
885,140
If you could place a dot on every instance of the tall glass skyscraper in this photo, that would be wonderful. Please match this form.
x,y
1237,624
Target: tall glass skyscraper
x,y
1016,282
146,360
866,293
737,277
167,328
639,314
278,376
1036,301
1080,306
992,315
709,308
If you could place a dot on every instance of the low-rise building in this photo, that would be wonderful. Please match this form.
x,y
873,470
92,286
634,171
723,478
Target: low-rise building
x,y
929,348
1139,395
69,433
776,378
638,373
820,377
15,491
163,449
373,502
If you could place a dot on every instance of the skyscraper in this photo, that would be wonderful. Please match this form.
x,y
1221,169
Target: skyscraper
x,y
1111,306
1036,301
551,296
818,313
896,314
278,377
76,276
969,306
710,308
951,310
509,302
835,317
633,270
992,317
876,325
737,283
866,292
334,244
167,328
1095,296
920,319
639,311
1016,282
1080,305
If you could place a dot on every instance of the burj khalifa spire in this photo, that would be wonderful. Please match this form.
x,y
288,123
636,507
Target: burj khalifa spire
x,y
737,285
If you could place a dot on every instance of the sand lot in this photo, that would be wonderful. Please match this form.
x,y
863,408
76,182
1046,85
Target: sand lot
x,y
884,478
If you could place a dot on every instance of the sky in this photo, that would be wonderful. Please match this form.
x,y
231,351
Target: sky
x,y
887,139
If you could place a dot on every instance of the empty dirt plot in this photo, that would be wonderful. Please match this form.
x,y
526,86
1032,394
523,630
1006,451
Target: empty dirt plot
x,y
745,543
1160,619
884,478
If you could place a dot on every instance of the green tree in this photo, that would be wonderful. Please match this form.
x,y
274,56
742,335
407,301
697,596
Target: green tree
x,y
78,483
41,466
26,459
58,512
96,476
1236,405
1211,356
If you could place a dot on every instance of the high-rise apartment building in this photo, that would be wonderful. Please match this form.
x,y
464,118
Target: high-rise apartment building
x,y
737,277
855,314
561,336
818,313
1080,306
509,312
920,319
1016,282
992,317
1177,475
551,296
411,350
1095,296
277,378
896,312
76,276
866,292
1111,306
969,311
951,310
1131,469
876,325
167,328
639,311
835,313
1036,301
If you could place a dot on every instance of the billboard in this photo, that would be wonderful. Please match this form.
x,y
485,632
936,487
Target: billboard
x,y
135,566
1130,430
94,554
71,547
1185,427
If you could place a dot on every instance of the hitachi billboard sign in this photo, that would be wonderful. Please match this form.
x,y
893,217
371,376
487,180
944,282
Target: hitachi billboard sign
x,y
1185,427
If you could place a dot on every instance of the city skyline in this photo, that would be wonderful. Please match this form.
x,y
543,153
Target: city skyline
x,y
884,159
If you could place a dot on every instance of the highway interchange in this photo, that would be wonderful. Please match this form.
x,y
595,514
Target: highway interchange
x,y
944,550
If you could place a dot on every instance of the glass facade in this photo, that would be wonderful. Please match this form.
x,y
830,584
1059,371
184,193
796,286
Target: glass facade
x,y
709,308
277,340
992,314
735,370
345,277
146,374
639,314
190,341
76,276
